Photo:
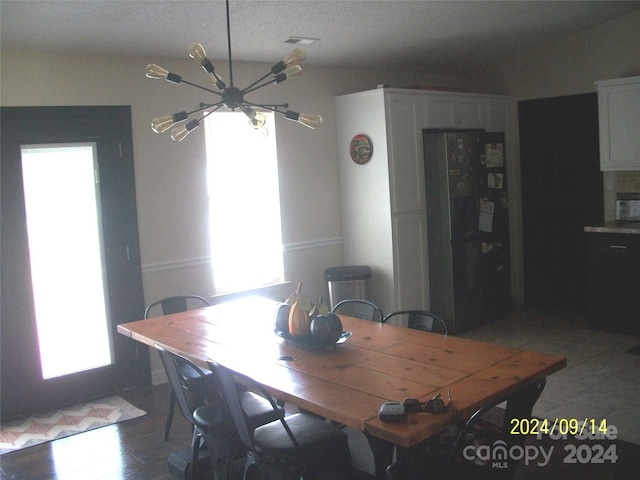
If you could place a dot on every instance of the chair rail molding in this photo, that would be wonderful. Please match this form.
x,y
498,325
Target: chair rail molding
x,y
205,260
311,244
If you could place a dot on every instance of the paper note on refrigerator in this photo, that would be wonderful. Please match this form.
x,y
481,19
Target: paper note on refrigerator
x,y
495,180
485,223
494,153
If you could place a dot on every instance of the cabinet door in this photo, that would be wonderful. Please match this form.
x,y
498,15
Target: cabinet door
x,y
455,111
614,282
499,114
405,117
411,276
619,117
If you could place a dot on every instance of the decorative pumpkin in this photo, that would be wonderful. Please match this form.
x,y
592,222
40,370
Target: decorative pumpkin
x,y
282,317
326,329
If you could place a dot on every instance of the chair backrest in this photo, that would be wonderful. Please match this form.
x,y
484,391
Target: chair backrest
x,y
359,308
179,303
519,406
421,320
189,395
229,389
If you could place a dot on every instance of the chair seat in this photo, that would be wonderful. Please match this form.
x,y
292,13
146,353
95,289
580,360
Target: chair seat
x,y
214,419
315,438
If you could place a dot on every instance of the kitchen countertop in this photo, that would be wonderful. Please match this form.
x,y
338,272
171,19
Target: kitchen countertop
x,y
614,227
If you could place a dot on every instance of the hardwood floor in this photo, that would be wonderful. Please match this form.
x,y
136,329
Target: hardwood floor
x,y
133,449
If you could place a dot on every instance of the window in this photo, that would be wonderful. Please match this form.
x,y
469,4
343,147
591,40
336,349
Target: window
x,y
244,203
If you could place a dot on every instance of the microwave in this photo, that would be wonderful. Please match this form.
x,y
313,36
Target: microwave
x,y
628,210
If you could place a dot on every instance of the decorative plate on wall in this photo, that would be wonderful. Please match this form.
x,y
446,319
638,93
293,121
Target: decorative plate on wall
x,y
361,149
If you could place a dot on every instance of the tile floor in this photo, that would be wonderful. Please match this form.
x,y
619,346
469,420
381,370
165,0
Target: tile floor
x,y
601,381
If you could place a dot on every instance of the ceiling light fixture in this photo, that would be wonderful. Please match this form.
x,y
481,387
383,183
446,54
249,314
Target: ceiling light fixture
x,y
230,96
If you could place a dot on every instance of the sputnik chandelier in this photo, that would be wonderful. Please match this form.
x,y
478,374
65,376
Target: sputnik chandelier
x,y
230,96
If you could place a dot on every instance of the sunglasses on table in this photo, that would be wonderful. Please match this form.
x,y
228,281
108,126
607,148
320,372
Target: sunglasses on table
x,y
435,405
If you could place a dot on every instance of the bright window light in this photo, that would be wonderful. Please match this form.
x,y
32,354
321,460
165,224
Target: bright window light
x,y
65,252
244,203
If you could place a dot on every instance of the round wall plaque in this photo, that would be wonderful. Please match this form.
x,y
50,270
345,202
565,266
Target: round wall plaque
x,y
361,149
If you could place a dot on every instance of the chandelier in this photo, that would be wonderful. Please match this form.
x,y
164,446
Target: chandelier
x,y
230,96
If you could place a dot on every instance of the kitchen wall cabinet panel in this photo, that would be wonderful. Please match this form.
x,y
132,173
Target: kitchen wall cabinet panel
x,y
619,119
405,115
455,111
383,200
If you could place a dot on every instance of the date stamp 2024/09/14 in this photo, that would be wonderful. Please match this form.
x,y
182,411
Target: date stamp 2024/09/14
x,y
594,443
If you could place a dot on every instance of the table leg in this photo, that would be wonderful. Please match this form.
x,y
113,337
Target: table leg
x,y
382,455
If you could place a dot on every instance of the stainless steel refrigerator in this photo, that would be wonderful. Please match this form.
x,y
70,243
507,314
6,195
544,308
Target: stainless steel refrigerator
x,y
467,226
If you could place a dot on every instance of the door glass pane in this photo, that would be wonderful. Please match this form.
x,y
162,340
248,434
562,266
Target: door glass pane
x,y
63,225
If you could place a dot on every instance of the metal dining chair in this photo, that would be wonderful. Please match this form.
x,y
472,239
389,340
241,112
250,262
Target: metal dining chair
x,y
421,320
359,308
167,306
201,403
293,447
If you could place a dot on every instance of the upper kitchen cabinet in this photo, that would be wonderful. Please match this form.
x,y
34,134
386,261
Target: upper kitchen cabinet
x,y
384,200
455,111
619,118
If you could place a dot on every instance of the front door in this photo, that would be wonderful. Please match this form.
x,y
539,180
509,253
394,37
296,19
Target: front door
x,y
70,257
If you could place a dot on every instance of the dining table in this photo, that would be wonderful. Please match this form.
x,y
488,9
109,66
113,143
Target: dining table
x,y
350,381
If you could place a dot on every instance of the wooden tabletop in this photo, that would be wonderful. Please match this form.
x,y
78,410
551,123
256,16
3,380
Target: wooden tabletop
x,y
349,383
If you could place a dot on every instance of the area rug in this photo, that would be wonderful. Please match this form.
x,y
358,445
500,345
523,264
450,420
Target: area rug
x,y
65,422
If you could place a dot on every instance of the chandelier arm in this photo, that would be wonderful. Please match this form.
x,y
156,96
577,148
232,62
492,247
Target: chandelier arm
x,y
249,90
201,87
205,106
273,108
250,87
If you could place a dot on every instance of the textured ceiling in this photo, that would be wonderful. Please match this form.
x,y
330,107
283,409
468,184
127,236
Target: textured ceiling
x,y
428,36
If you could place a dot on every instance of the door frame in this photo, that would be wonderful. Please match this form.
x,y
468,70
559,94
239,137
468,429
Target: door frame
x,y
23,390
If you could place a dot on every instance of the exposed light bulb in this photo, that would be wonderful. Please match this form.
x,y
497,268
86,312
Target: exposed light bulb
x,y
262,132
258,120
292,71
199,55
295,57
309,120
196,51
156,71
159,73
162,124
179,133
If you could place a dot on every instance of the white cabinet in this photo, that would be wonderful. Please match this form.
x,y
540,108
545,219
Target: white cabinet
x,y
455,111
619,118
383,200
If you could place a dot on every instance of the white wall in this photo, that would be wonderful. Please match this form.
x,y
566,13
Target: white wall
x,y
170,176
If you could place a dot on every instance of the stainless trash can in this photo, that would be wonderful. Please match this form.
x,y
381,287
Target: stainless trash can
x,y
348,282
